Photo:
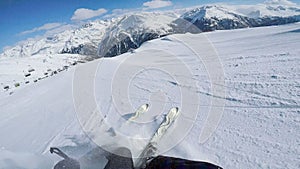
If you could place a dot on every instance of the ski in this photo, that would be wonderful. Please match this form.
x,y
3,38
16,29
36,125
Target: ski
x,y
151,148
142,109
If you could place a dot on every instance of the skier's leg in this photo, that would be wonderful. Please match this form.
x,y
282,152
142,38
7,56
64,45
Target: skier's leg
x,y
121,158
67,164
162,162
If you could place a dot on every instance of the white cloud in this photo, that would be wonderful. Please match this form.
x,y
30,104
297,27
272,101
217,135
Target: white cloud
x,y
83,13
60,29
121,12
47,26
157,4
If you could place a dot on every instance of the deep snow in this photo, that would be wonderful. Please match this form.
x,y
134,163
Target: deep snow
x,y
260,123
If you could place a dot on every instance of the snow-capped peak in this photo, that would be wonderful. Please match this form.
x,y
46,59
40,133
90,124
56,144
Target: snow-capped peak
x,y
130,31
210,11
151,20
271,8
280,2
89,34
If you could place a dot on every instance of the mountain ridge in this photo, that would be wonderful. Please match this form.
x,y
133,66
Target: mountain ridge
x,y
108,38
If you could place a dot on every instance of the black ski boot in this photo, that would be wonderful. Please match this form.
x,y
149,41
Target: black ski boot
x,y
67,163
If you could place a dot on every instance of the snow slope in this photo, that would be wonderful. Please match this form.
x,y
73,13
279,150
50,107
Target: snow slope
x,y
15,71
260,123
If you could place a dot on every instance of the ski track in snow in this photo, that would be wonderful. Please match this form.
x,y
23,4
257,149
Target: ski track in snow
x,y
259,128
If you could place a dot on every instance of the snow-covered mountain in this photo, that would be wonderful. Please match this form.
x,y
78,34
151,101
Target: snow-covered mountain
x,y
83,40
220,17
130,31
118,35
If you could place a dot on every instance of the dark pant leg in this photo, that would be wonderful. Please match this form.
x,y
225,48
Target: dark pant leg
x,y
162,162
121,158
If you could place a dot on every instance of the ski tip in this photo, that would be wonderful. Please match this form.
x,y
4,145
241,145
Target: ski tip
x,y
142,109
175,110
173,113
146,106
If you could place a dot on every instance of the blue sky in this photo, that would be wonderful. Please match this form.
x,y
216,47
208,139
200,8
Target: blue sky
x,y
21,19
